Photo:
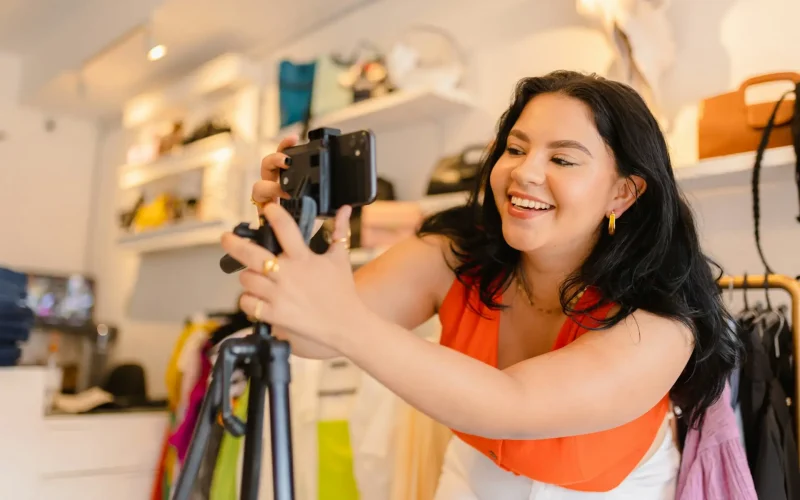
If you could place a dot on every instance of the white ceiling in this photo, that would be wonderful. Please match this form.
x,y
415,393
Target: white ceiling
x,y
89,58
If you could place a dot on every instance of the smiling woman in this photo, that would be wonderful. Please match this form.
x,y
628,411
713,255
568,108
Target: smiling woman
x,y
576,304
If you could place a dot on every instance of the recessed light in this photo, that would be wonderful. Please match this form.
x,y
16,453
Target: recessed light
x,y
157,52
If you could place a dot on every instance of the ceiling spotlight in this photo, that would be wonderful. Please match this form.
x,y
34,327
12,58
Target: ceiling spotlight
x,y
156,52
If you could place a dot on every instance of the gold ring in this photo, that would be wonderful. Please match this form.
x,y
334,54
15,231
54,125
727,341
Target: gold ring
x,y
270,266
257,312
345,240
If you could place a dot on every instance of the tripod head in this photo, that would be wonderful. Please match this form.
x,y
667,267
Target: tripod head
x,y
303,211
308,182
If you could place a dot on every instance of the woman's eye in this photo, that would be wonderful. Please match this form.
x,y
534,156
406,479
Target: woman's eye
x,y
563,162
514,151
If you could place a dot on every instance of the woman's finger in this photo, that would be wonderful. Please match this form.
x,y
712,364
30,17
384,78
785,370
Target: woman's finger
x,y
268,192
271,163
257,308
340,236
249,254
258,285
286,231
287,142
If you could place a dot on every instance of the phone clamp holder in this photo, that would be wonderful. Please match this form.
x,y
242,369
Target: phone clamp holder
x,y
265,362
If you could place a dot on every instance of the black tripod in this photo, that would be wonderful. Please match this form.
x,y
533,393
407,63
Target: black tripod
x,y
265,361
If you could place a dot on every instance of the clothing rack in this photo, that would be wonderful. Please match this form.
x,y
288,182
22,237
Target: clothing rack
x,y
792,286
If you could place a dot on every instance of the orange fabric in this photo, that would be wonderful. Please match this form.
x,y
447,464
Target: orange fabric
x,y
598,461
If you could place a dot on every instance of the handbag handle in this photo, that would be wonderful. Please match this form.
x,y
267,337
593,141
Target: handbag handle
x,y
756,115
770,77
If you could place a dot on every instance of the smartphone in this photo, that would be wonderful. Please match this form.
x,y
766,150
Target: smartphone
x,y
335,169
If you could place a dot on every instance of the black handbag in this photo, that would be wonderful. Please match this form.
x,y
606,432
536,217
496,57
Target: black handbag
x,y
457,173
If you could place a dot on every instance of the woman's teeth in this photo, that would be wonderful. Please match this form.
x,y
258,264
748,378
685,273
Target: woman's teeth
x,y
529,204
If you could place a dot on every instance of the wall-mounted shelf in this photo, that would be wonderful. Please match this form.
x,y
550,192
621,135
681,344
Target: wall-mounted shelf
x,y
733,166
429,204
392,111
360,256
214,149
438,202
180,235
223,75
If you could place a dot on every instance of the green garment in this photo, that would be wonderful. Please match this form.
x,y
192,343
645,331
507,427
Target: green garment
x,y
224,484
335,474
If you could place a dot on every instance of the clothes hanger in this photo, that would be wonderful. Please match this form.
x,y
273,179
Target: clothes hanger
x,y
747,313
235,322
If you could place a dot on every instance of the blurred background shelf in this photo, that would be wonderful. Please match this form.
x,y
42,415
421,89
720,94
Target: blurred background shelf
x,y
211,150
181,235
392,111
734,169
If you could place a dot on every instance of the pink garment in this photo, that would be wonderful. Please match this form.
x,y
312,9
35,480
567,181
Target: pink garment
x,y
182,436
714,464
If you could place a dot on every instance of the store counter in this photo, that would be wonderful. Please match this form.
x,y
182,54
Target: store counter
x,y
73,456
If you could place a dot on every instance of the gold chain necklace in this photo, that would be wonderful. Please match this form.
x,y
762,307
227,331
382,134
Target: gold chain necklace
x,y
527,295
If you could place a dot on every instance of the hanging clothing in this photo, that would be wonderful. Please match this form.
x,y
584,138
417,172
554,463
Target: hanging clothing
x,y
391,459
714,464
185,356
373,427
225,484
771,445
593,462
181,438
335,463
419,454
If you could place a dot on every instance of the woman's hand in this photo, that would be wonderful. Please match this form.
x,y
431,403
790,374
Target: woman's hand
x,y
307,295
268,189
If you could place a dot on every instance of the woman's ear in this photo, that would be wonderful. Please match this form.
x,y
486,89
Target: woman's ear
x,y
627,191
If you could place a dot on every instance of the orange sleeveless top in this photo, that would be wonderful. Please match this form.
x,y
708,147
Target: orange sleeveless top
x,y
595,462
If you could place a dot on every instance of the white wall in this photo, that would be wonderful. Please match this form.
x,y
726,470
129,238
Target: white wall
x,y
503,41
46,184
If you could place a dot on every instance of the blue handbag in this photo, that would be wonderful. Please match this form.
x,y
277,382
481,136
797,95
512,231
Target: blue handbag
x,y
296,82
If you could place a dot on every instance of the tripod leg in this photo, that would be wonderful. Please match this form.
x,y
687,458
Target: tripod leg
x,y
200,436
253,442
280,417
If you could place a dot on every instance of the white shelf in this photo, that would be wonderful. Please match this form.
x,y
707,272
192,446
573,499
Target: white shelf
x,y
438,202
391,111
223,75
732,165
360,256
181,235
211,150
429,204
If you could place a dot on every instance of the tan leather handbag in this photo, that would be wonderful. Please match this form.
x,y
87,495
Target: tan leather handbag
x,y
728,125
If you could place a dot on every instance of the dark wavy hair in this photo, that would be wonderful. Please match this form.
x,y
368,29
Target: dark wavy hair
x,y
653,261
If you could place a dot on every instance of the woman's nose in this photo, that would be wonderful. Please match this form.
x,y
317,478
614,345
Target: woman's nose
x,y
531,171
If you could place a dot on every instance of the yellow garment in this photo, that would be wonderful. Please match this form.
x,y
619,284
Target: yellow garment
x,y
174,379
420,445
225,485
336,480
173,376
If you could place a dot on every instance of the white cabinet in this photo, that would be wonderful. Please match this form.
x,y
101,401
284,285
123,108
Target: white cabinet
x,y
86,456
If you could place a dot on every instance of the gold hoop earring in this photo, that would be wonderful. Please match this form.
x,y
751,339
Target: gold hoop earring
x,y
612,223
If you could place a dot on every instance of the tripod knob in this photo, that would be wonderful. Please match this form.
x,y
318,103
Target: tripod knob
x,y
243,229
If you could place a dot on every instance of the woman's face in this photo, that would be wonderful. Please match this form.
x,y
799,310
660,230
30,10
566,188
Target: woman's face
x,y
556,181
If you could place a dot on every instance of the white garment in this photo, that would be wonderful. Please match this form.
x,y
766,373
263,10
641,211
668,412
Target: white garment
x,y
304,409
469,475
373,428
